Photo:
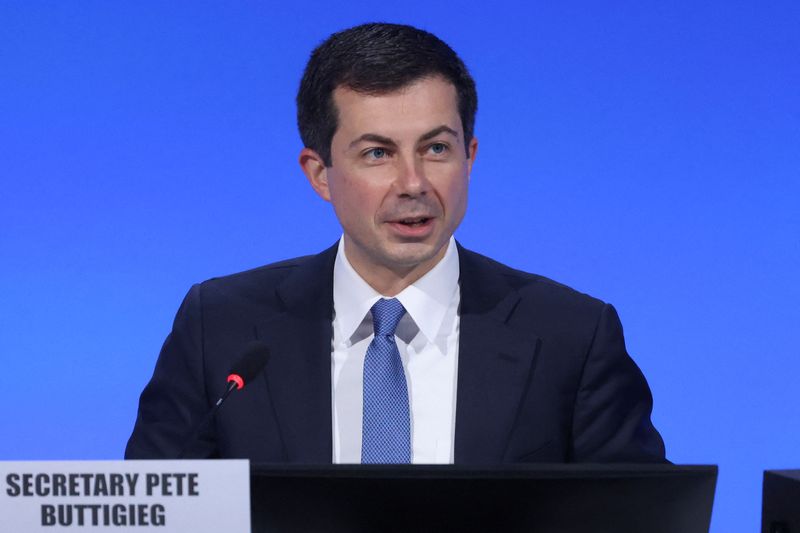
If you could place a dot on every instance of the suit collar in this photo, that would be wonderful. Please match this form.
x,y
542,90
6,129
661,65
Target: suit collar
x,y
308,290
484,290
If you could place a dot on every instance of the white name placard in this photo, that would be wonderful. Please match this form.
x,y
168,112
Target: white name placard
x,y
164,496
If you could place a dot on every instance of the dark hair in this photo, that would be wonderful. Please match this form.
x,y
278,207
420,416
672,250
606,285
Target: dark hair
x,y
375,58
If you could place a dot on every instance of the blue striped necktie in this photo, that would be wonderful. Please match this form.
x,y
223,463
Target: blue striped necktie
x,y
386,429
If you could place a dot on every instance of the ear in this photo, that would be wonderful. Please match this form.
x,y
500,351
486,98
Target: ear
x,y
472,151
315,170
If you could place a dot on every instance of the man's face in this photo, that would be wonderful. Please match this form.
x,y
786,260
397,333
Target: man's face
x,y
399,177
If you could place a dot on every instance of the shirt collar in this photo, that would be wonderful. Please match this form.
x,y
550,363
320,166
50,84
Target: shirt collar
x,y
426,300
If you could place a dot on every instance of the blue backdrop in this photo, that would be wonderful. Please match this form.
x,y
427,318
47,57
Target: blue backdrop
x,y
647,153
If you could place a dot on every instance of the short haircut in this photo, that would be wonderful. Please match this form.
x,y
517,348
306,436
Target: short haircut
x,y
376,58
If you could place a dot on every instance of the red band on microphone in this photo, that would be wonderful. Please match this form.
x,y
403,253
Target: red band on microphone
x,y
236,378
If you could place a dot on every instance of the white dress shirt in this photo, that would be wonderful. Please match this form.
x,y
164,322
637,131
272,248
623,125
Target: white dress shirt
x,y
427,339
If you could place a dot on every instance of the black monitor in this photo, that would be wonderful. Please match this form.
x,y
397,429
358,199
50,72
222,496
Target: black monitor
x,y
530,498
780,512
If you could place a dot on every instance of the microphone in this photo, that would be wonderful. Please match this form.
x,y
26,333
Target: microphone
x,y
253,359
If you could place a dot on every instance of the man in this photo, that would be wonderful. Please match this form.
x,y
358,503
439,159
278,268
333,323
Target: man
x,y
397,344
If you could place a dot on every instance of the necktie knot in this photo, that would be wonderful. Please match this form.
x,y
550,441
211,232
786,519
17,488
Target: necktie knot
x,y
386,314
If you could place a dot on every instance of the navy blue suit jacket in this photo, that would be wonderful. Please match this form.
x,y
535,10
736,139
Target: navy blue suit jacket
x,y
543,374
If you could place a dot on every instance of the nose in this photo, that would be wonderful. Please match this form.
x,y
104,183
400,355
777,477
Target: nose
x,y
411,180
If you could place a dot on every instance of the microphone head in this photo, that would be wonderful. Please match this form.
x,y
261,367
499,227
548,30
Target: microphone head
x,y
253,359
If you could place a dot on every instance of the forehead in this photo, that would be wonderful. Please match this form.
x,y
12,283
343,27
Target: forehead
x,y
417,107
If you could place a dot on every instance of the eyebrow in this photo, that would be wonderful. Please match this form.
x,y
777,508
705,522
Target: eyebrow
x,y
374,137
436,131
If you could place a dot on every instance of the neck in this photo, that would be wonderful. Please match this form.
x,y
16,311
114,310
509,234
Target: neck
x,y
391,280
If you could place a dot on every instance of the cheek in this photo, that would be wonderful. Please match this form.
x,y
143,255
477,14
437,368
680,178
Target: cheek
x,y
354,198
453,194
459,204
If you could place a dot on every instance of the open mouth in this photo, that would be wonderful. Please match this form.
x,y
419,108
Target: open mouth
x,y
414,222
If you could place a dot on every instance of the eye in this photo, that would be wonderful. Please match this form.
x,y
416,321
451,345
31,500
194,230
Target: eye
x,y
376,153
438,148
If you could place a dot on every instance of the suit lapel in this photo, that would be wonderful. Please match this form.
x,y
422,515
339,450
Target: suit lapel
x,y
299,370
495,362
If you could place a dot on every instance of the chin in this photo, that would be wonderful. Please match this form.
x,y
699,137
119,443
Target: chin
x,y
410,255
